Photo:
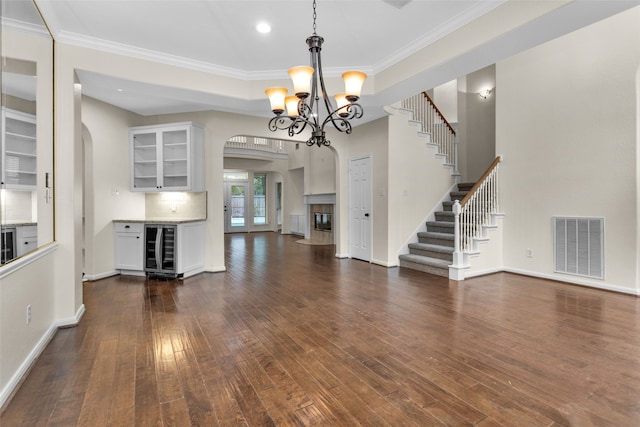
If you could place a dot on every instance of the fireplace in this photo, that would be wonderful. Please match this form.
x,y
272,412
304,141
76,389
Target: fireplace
x,y
321,224
322,221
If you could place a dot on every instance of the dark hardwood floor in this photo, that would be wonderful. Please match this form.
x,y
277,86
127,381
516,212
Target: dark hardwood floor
x,y
290,335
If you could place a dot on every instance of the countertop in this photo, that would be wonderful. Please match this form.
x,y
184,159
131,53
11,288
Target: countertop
x,y
18,224
161,220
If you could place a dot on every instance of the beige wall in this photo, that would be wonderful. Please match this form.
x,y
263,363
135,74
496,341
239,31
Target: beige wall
x,y
567,125
417,181
107,184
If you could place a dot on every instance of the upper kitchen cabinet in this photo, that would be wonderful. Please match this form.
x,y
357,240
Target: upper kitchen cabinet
x,y
167,157
19,150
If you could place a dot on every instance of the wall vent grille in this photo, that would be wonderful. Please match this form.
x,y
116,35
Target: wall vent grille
x,y
579,246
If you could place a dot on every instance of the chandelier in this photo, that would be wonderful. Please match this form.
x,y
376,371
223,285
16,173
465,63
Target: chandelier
x,y
303,108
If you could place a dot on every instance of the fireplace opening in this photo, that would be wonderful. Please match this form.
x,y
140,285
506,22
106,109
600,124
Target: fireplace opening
x,y
322,221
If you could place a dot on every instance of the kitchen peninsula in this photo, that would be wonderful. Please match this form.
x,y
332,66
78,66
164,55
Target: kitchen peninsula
x,y
169,240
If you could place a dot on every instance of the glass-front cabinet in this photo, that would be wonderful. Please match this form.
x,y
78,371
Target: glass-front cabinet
x,y
167,158
26,146
19,150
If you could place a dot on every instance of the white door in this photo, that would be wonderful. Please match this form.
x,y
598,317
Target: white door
x,y
236,207
360,225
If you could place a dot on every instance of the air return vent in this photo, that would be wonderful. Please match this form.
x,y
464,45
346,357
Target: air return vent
x,y
579,246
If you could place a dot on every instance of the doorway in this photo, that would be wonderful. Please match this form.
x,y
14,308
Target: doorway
x,y
236,207
360,221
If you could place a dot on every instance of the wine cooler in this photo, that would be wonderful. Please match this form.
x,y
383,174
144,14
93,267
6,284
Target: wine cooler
x,y
160,249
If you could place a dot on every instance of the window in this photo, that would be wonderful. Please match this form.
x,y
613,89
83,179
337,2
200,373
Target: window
x,y
259,198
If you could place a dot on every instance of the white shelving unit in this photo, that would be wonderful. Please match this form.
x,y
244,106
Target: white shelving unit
x,y
167,157
19,150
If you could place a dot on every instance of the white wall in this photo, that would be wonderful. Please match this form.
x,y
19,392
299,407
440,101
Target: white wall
x,y
109,195
567,118
417,181
372,139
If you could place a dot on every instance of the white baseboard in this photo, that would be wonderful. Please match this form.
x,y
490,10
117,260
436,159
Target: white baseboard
x,y
71,321
338,255
88,277
37,350
26,365
384,263
218,269
575,281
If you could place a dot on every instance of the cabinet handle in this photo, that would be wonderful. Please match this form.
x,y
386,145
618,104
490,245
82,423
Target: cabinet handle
x,y
126,226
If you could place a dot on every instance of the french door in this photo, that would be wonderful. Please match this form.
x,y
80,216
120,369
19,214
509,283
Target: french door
x,y
237,212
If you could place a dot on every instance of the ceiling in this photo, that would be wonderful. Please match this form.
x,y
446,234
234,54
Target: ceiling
x,y
219,37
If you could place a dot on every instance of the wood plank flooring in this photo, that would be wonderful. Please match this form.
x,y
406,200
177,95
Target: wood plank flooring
x,y
291,335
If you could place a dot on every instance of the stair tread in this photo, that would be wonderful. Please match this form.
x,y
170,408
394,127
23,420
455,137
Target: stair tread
x,y
431,247
447,224
436,235
458,193
419,259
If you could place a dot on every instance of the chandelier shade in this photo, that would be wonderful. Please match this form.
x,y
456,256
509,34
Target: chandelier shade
x,y
303,109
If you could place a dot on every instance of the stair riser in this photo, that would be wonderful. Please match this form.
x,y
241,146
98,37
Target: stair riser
x,y
439,228
443,217
431,254
443,272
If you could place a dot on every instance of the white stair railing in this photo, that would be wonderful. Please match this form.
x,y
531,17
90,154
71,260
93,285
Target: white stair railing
x,y
268,145
434,122
472,214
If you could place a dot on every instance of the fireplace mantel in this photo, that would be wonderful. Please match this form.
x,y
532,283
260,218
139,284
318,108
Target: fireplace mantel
x,y
320,199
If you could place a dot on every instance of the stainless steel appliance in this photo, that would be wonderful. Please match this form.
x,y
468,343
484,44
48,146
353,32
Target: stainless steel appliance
x,y
160,249
8,244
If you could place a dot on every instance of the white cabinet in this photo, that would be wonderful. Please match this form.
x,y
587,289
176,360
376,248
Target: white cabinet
x,y
26,239
129,244
297,224
19,150
167,157
190,248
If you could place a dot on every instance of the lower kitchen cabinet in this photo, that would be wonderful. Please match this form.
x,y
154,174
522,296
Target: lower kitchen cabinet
x,y
135,244
26,239
129,247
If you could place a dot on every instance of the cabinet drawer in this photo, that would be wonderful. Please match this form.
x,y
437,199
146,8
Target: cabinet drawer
x,y
27,231
129,227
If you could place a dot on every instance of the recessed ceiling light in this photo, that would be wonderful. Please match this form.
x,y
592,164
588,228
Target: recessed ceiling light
x,y
120,90
263,28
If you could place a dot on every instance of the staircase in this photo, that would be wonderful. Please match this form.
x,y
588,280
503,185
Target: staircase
x,y
433,253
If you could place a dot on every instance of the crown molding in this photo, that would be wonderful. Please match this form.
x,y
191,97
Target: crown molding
x,y
439,32
25,27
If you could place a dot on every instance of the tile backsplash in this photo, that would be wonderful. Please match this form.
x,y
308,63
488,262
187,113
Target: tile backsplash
x,y
18,206
176,205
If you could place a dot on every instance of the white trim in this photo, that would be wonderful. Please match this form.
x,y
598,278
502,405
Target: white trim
x,y
92,277
27,259
35,353
71,321
26,365
588,283
218,269
384,263
320,199
484,272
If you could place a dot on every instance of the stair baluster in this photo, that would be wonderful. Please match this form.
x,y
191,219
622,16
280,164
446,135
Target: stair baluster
x,y
434,122
472,214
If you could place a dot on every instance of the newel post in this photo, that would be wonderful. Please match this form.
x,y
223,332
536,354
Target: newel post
x,y
456,269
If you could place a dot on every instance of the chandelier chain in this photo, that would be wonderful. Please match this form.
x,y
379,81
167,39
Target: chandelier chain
x,y
314,18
